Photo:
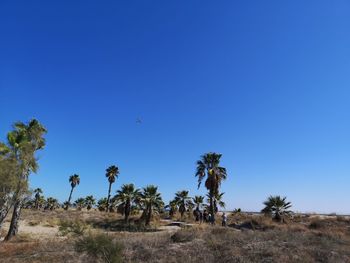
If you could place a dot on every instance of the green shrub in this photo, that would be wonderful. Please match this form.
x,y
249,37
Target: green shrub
x,y
100,247
76,228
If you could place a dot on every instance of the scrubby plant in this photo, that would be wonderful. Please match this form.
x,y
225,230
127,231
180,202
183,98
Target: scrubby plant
x,y
76,228
100,247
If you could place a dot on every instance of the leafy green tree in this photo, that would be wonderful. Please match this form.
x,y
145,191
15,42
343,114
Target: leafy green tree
x,y
112,173
183,201
90,201
37,196
128,196
151,201
198,201
74,180
277,207
23,142
80,203
209,167
9,176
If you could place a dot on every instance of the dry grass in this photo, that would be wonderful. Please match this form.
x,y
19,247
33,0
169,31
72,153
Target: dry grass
x,y
249,238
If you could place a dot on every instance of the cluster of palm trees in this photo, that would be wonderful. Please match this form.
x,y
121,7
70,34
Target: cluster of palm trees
x,y
18,160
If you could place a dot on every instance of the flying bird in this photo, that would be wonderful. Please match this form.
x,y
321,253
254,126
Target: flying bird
x,y
138,121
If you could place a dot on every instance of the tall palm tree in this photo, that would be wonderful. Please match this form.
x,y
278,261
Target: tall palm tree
x,y
209,167
37,196
183,201
127,196
151,201
74,181
79,203
277,207
112,173
24,141
198,200
90,201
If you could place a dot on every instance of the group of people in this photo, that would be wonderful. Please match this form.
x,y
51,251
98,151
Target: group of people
x,y
205,216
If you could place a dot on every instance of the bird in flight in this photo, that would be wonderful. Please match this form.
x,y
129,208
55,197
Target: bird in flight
x,y
138,121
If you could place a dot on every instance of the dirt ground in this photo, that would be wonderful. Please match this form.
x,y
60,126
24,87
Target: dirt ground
x,y
247,238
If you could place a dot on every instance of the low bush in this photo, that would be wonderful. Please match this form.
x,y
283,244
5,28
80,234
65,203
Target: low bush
x,y
101,247
185,235
76,228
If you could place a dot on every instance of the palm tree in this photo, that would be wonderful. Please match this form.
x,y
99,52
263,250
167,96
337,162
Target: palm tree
x,y
151,201
183,201
102,204
37,192
112,173
89,202
172,206
277,207
128,196
209,166
218,202
79,203
51,203
198,200
74,181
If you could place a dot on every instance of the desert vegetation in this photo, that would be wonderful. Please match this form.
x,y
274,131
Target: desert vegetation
x,y
135,225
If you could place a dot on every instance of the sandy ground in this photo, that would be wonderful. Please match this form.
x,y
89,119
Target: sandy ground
x,y
37,231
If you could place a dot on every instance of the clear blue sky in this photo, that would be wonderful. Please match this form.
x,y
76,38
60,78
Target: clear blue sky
x,y
265,83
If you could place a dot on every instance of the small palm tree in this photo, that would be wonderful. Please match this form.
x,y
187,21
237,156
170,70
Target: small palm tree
x,y
151,201
79,203
218,202
112,173
37,196
127,196
198,201
102,204
51,203
277,207
183,201
89,202
74,181
209,167
173,208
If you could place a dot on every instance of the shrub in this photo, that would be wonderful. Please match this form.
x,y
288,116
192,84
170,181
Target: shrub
x,y
184,235
100,247
77,228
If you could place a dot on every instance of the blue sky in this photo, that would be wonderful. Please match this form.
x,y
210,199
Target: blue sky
x,y
265,83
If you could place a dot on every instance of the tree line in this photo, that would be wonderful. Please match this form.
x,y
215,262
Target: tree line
x,y
18,160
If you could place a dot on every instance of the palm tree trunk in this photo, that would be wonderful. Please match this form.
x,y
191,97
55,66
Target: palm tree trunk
x,y
109,196
69,198
14,221
149,215
127,212
211,208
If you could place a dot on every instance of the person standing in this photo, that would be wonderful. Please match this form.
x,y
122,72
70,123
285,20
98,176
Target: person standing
x,y
224,219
